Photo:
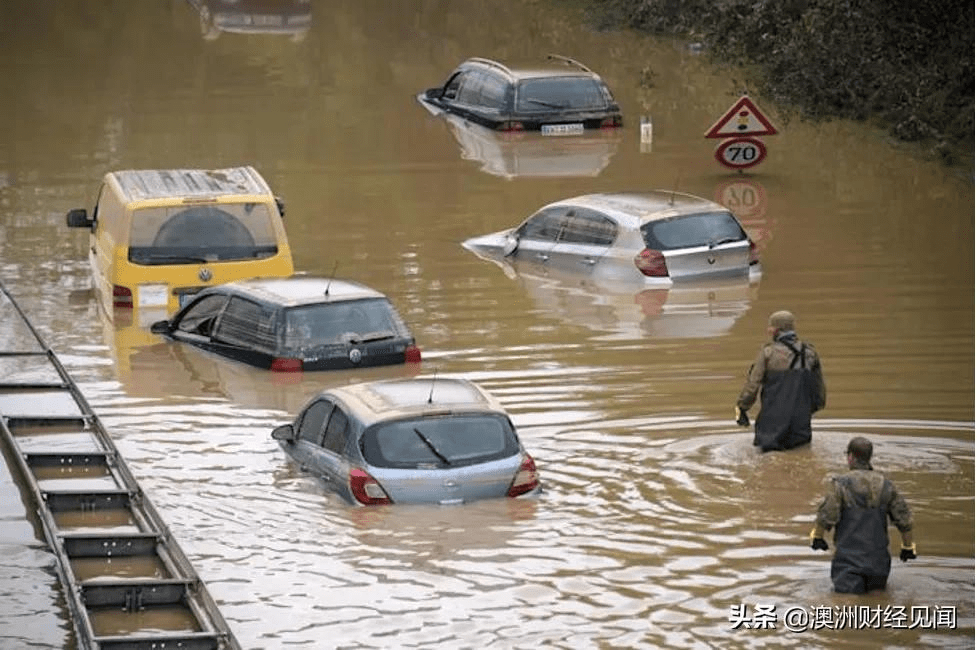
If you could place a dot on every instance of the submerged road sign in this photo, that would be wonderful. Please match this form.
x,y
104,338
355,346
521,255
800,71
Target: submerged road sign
x,y
742,119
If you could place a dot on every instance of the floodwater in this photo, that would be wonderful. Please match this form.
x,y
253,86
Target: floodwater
x,y
660,525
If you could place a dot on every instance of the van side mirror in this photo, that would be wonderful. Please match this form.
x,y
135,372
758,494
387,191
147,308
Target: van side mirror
x,y
78,218
285,432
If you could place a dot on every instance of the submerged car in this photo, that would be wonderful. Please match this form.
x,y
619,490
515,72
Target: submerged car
x,y
293,324
423,440
158,236
559,97
652,238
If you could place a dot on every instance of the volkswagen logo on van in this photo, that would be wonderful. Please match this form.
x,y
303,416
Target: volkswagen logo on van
x,y
355,355
204,274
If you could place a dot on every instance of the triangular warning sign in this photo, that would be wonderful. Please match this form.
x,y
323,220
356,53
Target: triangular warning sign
x,y
743,118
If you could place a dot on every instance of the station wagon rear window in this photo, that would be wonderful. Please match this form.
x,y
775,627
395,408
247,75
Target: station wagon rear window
x,y
352,321
575,93
453,441
201,233
706,229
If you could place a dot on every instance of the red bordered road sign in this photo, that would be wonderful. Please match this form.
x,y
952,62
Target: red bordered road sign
x,y
740,153
743,118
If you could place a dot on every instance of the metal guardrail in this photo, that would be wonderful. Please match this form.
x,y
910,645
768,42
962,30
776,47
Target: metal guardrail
x,y
127,583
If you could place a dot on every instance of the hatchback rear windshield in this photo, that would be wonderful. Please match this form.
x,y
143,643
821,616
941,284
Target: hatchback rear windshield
x,y
450,441
707,229
351,321
202,233
576,93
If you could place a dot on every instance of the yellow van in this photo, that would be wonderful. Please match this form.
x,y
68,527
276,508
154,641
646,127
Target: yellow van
x,y
160,236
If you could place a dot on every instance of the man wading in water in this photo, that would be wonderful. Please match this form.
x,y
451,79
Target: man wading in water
x,y
787,374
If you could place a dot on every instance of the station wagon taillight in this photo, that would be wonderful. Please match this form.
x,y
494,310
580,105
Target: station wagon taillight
x,y
754,254
284,364
121,296
365,488
412,354
651,263
512,125
527,478
610,122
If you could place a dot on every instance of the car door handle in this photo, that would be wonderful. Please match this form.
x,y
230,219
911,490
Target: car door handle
x,y
589,261
542,257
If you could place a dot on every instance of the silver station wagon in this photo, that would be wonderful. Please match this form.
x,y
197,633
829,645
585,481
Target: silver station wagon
x,y
654,238
421,440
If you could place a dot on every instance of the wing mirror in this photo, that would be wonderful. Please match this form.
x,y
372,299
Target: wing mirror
x,y
285,433
78,218
160,327
510,245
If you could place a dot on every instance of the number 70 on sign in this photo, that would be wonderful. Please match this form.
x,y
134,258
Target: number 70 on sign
x,y
740,153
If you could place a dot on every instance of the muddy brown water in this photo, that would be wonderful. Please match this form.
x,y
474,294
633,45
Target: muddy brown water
x,y
660,525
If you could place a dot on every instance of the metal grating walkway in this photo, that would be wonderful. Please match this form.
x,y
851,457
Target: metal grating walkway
x,y
127,583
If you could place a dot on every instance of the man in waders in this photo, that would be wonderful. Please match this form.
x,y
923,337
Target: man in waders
x,y
858,506
787,374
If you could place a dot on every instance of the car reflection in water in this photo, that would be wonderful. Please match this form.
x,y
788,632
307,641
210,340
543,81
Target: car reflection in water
x,y
511,154
622,310
285,17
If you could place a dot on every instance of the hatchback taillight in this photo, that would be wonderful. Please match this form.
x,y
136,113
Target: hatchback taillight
x,y
512,126
651,263
527,478
412,354
121,296
754,254
610,122
285,364
365,488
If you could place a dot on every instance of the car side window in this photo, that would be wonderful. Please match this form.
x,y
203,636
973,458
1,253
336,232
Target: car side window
x,y
246,323
200,316
336,430
471,88
545,225
492,93
585,226
451,88
313,421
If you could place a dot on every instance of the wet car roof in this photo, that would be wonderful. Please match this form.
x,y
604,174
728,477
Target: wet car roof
x,y
533,71
146,184
304,290
635,208
383,400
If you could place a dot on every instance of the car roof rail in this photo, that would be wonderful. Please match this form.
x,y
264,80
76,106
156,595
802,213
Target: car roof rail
x,y
567,60
491,63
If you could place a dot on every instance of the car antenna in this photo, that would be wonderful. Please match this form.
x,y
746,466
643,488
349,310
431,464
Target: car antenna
x,y
331,276
671,199
430,397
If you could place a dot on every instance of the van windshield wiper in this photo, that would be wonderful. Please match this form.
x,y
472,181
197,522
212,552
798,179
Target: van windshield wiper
x,y
430,445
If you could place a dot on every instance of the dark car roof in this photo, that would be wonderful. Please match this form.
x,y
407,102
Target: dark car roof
x,y
301,290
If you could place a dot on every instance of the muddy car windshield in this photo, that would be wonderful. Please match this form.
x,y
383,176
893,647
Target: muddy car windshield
x,y
353,321
438,442
707,229
204,233
573,93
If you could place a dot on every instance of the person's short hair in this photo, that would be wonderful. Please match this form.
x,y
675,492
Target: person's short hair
x,y
782,321
860,448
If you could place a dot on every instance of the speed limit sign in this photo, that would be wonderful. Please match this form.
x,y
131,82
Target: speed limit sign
x,y
740,153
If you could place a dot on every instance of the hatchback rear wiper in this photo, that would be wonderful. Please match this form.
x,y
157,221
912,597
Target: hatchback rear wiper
x,y
727,240
545,103
430,445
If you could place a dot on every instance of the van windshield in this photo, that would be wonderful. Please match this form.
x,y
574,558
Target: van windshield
x,y
201,233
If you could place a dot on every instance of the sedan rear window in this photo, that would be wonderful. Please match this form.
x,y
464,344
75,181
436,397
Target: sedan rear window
x,y
352,321
577,93
707,229
452,441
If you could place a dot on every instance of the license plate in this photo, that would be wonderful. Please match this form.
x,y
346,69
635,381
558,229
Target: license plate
x,y
152,295
562,129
